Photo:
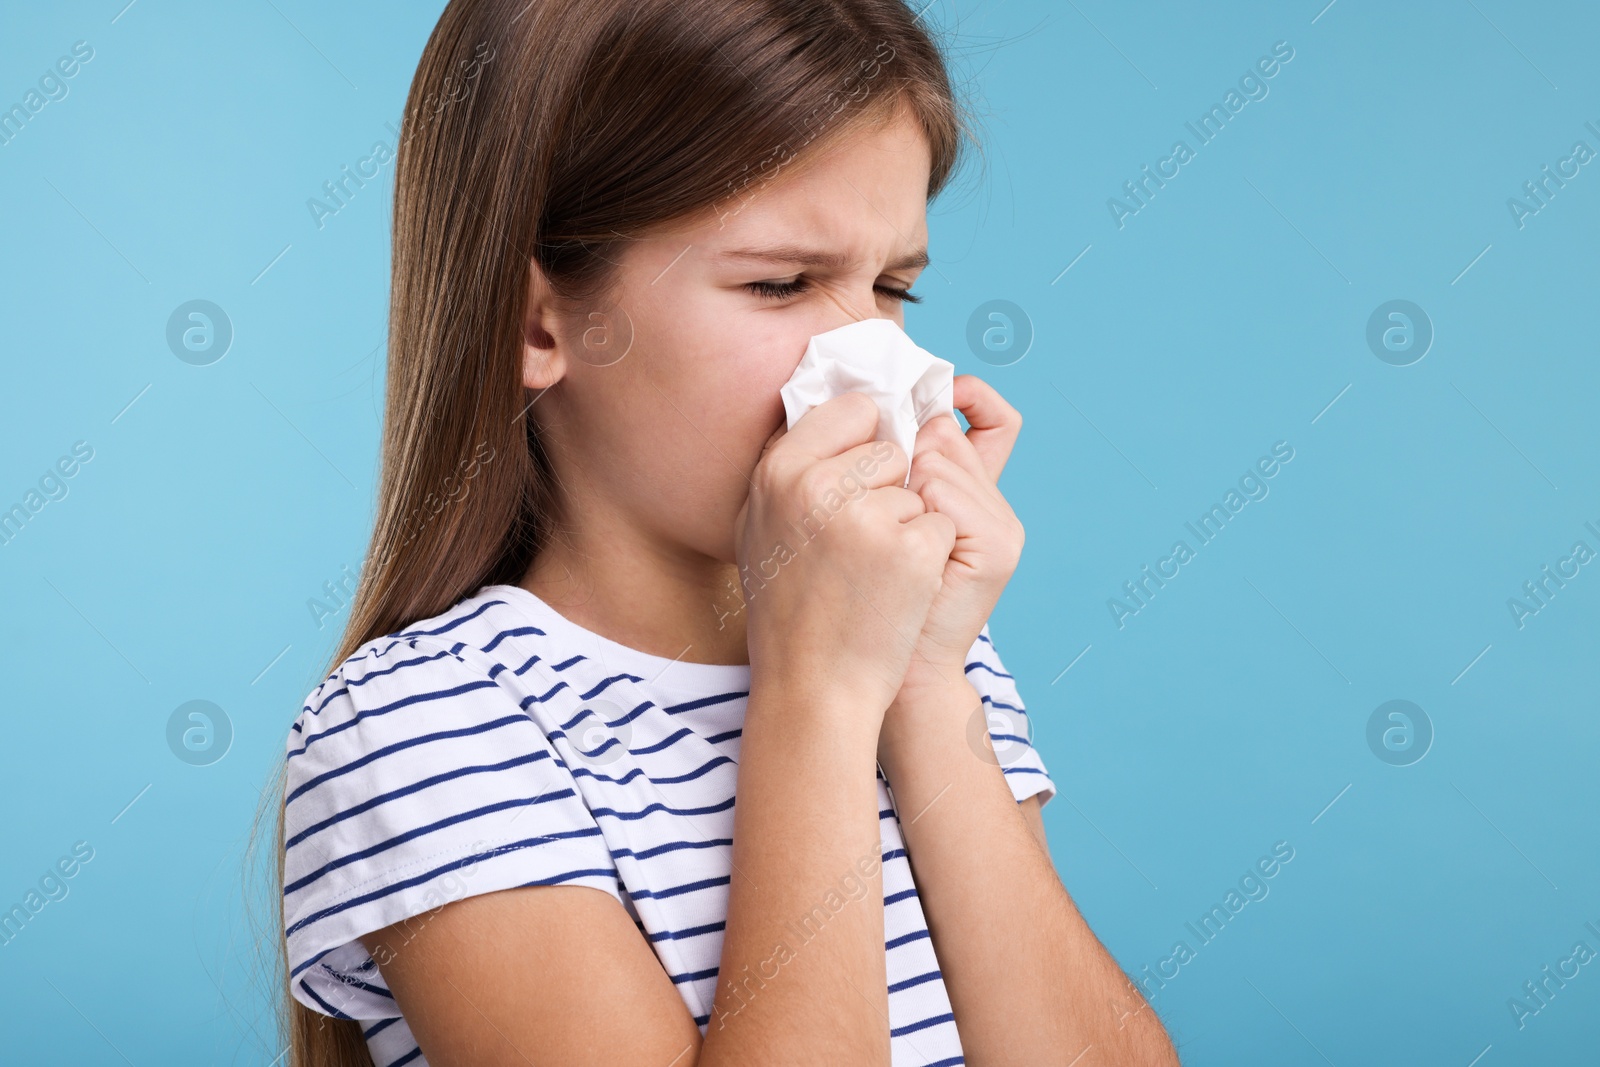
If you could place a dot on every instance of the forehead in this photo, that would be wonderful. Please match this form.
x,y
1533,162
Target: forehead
x,y
860,198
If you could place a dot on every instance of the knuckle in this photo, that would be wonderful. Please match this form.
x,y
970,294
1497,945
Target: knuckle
x,y
939,533
813,482
774,465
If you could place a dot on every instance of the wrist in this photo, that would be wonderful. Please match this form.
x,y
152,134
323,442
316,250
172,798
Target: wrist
x,y
815,703
927,720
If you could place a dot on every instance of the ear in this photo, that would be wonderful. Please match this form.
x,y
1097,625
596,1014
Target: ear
x,y
544,359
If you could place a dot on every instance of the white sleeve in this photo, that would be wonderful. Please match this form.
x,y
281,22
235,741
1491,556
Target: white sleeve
x,y
415,779
1009,727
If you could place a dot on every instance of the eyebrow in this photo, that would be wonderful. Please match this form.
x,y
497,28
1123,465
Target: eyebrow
x,y
812,257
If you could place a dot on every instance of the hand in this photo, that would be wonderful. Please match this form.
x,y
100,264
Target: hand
x,y
839,562
956,474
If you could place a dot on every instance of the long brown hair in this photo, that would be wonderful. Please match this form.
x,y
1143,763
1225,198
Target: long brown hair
x,y
551,132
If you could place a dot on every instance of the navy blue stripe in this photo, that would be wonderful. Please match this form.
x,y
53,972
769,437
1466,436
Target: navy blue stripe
x,y
590,755
400,839
420,879
688,776
629,816
979,663
548,693
358,984
597,776
933,975
715,761
531,661
403,702
452,624
381,1025
703,702
413,1054
557,879
693,976
365,678
410,742
666,742
635,713
343,689
518,631
905,939
590,713
911,1028
679,890
372,651
395,794
605,683
672,846
1002,704
326,1007
683,935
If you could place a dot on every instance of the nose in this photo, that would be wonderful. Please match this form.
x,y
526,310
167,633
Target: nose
x,y
854,307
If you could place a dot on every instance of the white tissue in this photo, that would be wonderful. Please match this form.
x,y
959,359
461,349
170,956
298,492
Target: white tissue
x,y
874,356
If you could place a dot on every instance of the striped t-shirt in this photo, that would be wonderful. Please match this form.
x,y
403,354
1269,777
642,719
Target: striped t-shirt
x,y
499,744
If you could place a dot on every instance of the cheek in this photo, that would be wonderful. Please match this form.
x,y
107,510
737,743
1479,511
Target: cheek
x,y
731,376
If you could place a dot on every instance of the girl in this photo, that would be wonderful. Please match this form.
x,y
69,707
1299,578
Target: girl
x,y
607,586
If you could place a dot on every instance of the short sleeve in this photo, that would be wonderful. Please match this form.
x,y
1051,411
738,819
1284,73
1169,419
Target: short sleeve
x,y
1009,727
416,778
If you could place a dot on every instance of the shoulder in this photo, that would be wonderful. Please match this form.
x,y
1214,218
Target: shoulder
x,y
422,769
461,651
447,697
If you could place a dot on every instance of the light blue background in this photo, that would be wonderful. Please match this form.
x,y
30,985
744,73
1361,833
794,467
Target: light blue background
x,y
1228,314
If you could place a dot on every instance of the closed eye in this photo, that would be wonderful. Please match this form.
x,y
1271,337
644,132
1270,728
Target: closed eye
x,y
782,290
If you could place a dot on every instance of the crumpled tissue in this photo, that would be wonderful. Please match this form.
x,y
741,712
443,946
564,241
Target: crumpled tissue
x,y
874,356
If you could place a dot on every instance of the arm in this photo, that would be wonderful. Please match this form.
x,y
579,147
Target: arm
x,y
560,974
1028,980
1031,812
534,975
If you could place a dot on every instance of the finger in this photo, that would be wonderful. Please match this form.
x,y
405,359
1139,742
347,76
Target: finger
x,y
940,527
903,504
772,438
874,464
831,427
943,436
934,468
994,423
972,520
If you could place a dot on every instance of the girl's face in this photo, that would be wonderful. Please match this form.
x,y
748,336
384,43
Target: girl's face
x,y
713,317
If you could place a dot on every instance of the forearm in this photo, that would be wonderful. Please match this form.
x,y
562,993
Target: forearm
x,y
806,837
1028,980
